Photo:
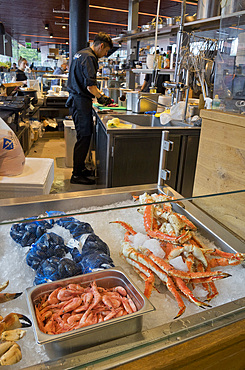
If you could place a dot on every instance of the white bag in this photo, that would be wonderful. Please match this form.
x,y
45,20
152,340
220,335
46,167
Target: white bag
x,y
165,118
177,112
12,158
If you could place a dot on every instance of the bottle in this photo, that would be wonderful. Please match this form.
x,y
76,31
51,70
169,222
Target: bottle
x,y
158,58
216,102
167,62
163,59
174,59
160,61
208,103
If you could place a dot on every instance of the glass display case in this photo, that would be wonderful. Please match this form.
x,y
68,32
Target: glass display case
x,y
104,210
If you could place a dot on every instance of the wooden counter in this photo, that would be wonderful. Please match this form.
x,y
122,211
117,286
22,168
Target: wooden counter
x,y
222,349
221,168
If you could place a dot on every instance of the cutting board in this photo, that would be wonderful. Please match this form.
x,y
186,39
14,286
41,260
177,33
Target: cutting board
x,y
102,107
221,168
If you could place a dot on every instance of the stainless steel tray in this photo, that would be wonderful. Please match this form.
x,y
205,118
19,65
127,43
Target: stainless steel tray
x,y
62,344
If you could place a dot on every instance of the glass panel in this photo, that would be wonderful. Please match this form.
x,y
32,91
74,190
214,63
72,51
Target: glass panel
x,y
229,72
180,242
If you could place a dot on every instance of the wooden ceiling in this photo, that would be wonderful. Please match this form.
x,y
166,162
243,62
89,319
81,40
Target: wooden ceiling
x,y
24,20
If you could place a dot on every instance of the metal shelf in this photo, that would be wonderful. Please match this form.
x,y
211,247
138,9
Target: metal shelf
x,y
143,35
149,71
200,24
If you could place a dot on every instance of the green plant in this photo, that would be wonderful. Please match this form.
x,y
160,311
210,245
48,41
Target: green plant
x,y
5,65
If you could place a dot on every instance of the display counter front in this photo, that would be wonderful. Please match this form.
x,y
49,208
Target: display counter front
x,y
200,336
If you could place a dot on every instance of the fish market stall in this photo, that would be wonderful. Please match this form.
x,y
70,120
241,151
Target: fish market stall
x,y
168,326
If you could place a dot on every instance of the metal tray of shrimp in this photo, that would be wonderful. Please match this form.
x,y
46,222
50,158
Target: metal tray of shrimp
x,y
57,345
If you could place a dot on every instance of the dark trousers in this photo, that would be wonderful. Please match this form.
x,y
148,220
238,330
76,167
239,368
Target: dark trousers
x,y
81,149
81,111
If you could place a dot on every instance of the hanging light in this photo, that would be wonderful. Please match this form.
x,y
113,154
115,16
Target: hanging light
x,y
46,26
51,36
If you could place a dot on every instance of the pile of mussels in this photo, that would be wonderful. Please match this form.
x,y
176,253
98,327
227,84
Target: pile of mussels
x,y
51,258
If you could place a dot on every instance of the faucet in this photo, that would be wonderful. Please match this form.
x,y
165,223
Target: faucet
x,y
175,86
179,86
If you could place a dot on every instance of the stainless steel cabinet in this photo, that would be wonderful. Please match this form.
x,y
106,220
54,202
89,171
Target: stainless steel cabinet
x,y
131,156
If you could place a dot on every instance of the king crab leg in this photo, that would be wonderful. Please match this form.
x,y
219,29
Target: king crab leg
x,y
145,273
170,270
154,264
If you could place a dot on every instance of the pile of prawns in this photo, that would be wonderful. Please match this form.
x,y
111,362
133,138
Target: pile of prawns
x,y
74,307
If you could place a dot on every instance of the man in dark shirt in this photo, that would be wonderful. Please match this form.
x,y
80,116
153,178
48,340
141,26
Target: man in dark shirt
x,y
82,87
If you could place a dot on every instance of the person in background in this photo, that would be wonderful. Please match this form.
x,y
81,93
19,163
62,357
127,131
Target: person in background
x,y
82,87
160,79
62,67
14,66
20,74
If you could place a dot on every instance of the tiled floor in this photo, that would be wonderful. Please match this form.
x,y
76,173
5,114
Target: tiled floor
x,y
52,145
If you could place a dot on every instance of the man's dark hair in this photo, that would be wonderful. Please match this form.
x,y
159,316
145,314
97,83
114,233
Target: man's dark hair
x,y
104,38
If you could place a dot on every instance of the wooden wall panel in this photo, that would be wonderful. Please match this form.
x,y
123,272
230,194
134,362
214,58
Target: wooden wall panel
x,y
221,168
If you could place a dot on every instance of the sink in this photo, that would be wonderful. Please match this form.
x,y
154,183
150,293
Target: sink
x,y
140,119
148,120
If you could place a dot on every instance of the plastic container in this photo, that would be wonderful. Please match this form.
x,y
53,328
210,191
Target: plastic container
x,y
165,100
208,103
70,140
216,102
150,60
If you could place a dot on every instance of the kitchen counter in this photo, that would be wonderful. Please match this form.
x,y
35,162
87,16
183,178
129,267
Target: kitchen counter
x,y
120,151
